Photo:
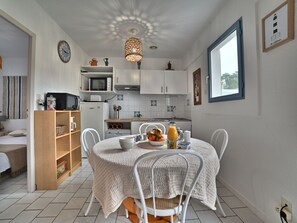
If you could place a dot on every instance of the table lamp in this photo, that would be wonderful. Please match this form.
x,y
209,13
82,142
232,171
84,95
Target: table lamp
x,y
2,118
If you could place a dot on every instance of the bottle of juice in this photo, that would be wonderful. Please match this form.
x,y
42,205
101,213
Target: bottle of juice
x,y
172,136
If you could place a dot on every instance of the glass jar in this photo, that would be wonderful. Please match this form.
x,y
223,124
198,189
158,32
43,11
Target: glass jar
x,y
172,136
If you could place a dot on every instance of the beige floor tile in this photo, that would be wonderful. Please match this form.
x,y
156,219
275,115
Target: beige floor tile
x,y
19,193
63,198
87,184
71,188
111,218
6,203
228,211
234,219
66,216
191,214
193,221
85,220
9,189
29,198
13,211
40,203
52,210
94,211
222,191
78,181
51,193
208,217
25,217
4,221
233,202
247,216
122,219
197,205
83,193
76,203
43,220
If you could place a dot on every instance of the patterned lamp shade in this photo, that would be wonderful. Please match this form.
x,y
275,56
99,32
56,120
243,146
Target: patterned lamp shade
x,y
133,49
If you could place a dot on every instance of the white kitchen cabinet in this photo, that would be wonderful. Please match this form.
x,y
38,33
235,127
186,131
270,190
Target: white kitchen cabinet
x,y
176,82
127,77
163,82
152,82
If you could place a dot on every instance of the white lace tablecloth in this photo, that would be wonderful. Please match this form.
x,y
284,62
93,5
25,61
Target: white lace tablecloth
x,y
113,173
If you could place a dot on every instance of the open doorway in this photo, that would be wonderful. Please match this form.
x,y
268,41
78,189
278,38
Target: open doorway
x,y
16,106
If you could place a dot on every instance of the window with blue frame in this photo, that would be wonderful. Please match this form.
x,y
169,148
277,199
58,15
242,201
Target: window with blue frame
x,y
226,66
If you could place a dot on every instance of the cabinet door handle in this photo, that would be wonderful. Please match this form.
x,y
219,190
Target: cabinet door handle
x,y
117,80
166,89
161,89
91,108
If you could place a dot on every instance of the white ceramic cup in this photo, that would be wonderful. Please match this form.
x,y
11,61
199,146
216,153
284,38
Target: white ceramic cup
x,y
126,142
187,136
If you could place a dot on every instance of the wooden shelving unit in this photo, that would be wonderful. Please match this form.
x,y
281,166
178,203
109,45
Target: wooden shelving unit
x,y
53,150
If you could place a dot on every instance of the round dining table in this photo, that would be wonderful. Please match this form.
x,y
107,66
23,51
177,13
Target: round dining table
x,y
113,179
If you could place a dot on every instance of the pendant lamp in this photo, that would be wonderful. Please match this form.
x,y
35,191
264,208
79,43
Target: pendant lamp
x,y
133,49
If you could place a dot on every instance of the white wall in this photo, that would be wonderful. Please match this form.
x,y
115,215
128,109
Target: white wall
x,y
146,64
259,164
50,74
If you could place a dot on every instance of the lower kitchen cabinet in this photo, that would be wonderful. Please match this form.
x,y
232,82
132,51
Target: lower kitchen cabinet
x,y
57,147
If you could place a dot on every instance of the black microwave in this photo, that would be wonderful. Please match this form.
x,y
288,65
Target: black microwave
x,y
100,84
64,101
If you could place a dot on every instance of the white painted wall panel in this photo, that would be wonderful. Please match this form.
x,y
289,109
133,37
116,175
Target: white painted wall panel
x,y
260,161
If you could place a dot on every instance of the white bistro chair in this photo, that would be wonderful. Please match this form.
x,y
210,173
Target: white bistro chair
x,y
89,137
219,140
144,127
165,207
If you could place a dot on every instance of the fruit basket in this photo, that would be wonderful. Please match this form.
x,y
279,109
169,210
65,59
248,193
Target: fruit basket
x,y
155,137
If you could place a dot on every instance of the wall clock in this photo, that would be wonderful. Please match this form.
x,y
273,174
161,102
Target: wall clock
x,y
64,51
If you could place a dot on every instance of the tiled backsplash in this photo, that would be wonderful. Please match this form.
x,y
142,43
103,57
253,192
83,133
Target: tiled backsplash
x,y
150,106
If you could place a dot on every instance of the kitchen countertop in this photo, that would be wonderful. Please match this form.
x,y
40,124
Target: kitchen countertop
x,y
148,120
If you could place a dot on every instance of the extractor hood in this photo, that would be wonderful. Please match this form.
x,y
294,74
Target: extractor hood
x,y
127,87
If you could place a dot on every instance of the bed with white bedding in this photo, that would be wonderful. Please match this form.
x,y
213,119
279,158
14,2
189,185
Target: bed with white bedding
x,y
13,154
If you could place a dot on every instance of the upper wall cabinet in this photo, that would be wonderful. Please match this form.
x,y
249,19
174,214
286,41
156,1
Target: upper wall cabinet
x,y
163,82
97,79
127,77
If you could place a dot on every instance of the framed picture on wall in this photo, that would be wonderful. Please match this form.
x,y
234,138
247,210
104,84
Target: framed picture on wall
x,y
197,86
278,26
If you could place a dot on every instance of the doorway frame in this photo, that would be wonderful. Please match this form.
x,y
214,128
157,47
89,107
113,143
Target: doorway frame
x,y
30,100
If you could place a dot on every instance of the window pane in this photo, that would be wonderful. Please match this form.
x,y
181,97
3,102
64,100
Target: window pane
x,y
225,60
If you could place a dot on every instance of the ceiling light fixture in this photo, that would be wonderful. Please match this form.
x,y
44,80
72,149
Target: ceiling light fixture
x,y
133,48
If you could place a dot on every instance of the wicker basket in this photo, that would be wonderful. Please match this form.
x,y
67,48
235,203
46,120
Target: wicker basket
x,y
60,129
61,168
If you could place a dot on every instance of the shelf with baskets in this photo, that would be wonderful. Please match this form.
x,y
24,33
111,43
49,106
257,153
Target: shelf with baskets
x,y
57,146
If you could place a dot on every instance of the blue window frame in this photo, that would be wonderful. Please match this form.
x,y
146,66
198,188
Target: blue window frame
x,y
226,66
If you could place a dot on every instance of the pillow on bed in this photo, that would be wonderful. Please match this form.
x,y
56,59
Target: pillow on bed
x,y
17,133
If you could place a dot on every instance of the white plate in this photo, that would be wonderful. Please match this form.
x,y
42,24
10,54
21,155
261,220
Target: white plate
x,y
157,143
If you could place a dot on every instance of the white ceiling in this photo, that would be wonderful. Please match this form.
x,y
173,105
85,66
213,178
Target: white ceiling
x,y
100,27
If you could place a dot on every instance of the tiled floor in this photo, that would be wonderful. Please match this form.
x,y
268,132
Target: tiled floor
x,y
69,202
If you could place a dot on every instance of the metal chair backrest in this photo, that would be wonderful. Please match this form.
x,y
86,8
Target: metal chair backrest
x,y
89,137
192,165
219,140
144,127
